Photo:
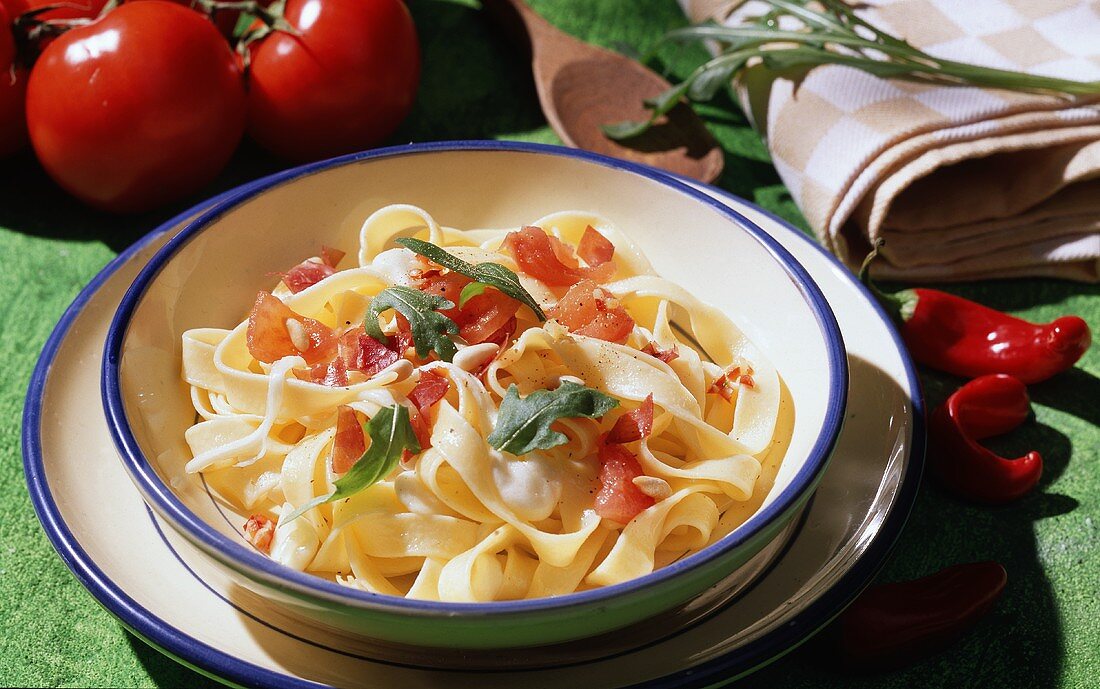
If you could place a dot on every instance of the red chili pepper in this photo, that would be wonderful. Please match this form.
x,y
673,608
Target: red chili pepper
x,y
962,337
984,407
891,625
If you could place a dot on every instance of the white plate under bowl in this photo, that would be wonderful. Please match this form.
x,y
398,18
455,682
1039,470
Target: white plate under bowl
x,y
851,524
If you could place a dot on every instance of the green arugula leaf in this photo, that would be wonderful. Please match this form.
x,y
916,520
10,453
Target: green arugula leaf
x,y
390,433
523,423
470,291
429,329
492,274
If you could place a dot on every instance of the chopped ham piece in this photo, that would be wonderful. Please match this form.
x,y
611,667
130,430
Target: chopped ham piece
x,y
658,352
726,384
361,352
349,444
428,391
311,271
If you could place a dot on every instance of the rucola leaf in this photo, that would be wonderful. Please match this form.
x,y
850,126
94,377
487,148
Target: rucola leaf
x,y
492,274
390,433
523,423
430,329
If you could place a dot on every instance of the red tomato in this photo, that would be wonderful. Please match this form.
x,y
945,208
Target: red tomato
x,y
588,309
343,85
619,499
13,90
142,107
74,9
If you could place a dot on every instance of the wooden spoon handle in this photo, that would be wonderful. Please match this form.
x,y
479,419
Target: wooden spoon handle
x,y
526,28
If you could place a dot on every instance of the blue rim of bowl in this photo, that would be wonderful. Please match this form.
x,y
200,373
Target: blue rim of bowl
x,y
225,667
271,573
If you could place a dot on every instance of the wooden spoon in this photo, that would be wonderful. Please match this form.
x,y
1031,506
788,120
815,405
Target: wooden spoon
x,y
582,87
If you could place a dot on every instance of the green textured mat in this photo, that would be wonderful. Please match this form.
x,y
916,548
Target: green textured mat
x,y
1044,633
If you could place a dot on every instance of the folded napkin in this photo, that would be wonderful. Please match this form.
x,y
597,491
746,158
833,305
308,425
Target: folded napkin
x,y
962,183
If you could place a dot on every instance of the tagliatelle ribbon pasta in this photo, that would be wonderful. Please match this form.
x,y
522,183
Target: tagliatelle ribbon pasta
x,y
463,520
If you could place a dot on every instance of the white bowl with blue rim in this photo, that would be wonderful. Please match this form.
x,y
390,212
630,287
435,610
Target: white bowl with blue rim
x,y
208,275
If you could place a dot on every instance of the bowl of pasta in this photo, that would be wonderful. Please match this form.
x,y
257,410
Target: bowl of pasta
x,y
474,395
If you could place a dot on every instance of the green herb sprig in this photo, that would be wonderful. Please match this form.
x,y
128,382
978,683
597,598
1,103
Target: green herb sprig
x,y
825,32
391,433
430,329
523,423
470,291
491,274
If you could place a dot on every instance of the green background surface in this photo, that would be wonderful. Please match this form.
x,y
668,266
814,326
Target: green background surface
x,y
1044,633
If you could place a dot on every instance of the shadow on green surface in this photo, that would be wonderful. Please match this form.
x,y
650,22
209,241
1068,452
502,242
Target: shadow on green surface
x,y
1075,392
31,203
165,671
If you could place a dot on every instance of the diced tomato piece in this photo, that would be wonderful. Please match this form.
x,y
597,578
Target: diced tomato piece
x,y
428,390
595,248
658,352
444,284
485,314
330,257
588,309
541,256
333,374
349,445
481,316
269,337
633,425
502,336
259,531
618,498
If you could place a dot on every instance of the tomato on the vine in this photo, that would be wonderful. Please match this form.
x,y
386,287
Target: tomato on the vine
x,y
343,84
69,9
13,89
141,107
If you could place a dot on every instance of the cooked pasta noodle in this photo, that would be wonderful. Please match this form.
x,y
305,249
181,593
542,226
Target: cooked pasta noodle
x,y
463,519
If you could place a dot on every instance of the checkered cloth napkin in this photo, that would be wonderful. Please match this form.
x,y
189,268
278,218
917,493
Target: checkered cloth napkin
x,y
962,183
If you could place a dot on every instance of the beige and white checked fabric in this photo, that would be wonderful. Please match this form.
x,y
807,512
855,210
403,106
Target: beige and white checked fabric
x,y
963,183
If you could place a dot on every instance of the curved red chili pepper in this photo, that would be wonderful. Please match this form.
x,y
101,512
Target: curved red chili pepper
x,y
891,625
984,407
962,337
